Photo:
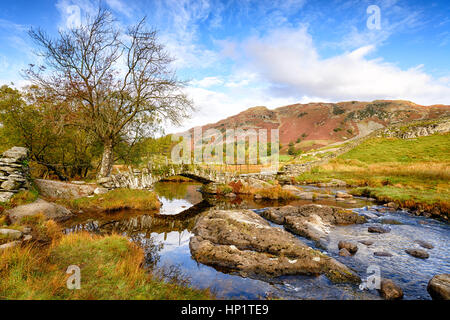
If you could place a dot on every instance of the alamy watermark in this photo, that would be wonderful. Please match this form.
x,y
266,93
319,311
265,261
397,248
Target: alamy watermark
x,y
373,281
74,281
374,20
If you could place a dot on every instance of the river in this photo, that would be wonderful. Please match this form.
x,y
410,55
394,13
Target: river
x,y
165,238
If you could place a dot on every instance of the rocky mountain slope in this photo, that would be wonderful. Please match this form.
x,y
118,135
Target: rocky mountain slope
x,y
315,125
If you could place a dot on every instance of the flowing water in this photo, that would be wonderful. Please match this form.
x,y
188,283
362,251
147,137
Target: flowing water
x,y
165,237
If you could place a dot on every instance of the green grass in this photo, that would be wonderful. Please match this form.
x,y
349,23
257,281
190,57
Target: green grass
x,y
425,200
110,269
285,158
20,198
118,199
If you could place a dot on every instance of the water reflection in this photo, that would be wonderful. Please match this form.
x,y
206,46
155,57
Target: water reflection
x,y
177,197
165,239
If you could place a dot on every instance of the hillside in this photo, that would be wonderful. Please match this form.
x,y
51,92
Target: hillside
x,y
314,125
407,164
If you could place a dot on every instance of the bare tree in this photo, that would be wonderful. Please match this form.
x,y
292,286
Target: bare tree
x,y
114,84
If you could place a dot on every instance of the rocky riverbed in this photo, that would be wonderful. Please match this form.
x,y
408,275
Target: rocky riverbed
x,y
236,265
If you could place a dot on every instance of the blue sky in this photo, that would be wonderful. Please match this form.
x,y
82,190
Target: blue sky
x,y
239,54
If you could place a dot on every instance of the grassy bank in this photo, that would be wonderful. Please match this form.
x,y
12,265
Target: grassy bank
x,y
118,199
20,198
415,173
110,269
272,191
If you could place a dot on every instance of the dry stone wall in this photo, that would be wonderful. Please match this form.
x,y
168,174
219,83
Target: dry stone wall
x,y
14,172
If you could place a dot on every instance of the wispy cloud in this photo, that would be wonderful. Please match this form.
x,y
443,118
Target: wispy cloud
x,y
121,7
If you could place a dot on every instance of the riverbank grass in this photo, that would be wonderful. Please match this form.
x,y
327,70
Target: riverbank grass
x,y
20,198
110,269
118,199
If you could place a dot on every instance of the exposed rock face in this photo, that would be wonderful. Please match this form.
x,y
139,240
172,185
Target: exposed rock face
x,y
311,221
64,190
343,195
48,209
243,241
410,132
13,172
389,290
439,287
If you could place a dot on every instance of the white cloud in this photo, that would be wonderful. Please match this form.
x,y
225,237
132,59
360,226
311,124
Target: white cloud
x,y
284,67
207,82
288,60
120,6
214,105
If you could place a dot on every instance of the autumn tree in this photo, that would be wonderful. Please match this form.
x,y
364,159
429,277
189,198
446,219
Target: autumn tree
x,y
116,84
29,118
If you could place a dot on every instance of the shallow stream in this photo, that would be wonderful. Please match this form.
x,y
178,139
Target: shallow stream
x,y
165,236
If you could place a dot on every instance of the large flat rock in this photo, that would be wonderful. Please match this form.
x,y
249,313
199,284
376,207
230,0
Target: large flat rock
x,y
439,287
242,241
49,210
311,221
64,190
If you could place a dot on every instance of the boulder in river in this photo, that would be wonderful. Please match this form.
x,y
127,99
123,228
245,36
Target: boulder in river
x,y
418,253
344,253
389,290
378,230
382,254
48,209
367,242
311,221
439,287
392,205
242,241
424,244
343,195
350,246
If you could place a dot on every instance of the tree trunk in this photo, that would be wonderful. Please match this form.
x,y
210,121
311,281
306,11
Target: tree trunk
x,y
107,160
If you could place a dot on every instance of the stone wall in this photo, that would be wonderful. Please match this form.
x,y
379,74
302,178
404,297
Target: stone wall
x,y
14,172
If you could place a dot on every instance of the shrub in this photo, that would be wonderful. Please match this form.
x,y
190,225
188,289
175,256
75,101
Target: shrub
x,y
118,199
276,193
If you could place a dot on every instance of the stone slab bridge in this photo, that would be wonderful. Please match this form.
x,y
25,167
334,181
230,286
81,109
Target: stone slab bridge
x,y
145,178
